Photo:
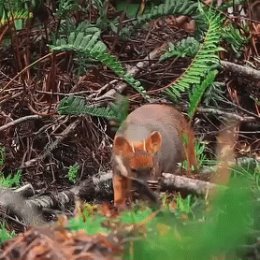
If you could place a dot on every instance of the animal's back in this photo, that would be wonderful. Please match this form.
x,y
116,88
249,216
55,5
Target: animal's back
x,y
162,118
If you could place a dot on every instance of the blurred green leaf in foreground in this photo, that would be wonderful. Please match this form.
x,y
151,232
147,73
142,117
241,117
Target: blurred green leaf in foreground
x,y
222,229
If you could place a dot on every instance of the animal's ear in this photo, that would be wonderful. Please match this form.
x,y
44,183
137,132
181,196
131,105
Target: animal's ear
x,y
153,142
121,146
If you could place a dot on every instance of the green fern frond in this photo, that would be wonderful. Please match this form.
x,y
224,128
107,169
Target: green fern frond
x,y
173,7
215,94
88,43
186,47
17,11
233,37
76,106
73,105
120,108
199,90
206,58
9,17
65,7
227,4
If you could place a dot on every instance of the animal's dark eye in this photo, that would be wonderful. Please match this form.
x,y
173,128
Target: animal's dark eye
x,y
134,170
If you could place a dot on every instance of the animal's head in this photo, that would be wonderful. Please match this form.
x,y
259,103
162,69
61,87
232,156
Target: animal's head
x,y
138,159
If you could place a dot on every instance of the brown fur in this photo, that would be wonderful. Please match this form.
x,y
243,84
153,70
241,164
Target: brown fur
x,y
149,142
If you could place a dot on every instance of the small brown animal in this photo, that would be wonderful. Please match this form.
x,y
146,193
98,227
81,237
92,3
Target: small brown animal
x,y
149,142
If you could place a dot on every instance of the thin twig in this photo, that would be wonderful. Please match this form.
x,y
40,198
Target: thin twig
x,y
227,114
26,68
53,145
23,70
18,121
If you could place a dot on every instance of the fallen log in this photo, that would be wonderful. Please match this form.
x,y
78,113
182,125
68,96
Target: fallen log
x,y
96,189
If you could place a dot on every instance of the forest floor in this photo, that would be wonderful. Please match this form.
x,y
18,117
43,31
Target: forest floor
x,y
44,146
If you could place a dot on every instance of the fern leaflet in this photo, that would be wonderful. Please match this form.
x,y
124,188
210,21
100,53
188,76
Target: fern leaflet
x,y
186,47
76,106
88,43
204,60
174,7
199,90
15,16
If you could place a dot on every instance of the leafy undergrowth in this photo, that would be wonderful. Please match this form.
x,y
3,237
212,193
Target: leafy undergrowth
x,y
182,228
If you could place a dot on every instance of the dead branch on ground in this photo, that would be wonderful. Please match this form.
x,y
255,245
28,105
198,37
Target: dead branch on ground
x,y
92,187
240,70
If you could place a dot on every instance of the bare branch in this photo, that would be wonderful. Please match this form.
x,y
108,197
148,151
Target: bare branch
x,y
29,209
227,114
240,70
97,187
19,120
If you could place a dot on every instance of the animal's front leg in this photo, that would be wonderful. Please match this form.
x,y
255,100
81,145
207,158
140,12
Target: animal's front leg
x,y
121,186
